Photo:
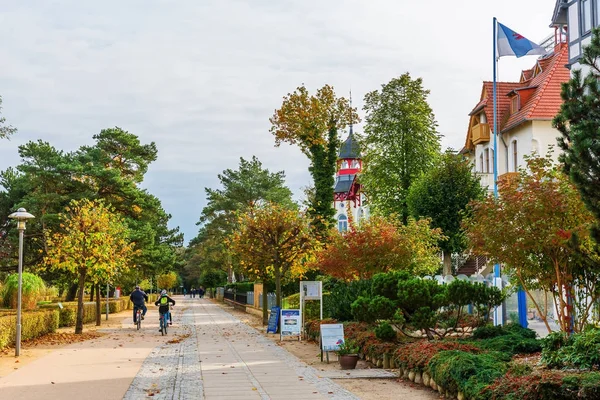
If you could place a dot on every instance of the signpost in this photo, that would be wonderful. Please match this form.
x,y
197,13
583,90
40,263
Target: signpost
x,y
290,324
332,335
273,320
310,290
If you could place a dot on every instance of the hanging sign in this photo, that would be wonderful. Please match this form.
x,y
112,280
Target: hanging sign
x,y
290,323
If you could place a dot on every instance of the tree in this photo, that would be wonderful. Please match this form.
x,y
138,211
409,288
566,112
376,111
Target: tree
x,y
312,122
380,245
400,143
442,195
5,130
272,243
579,123
167,281
243,189
92,242
538,228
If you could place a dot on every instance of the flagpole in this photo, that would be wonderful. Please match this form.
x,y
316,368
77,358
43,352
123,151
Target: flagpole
x,y
498,314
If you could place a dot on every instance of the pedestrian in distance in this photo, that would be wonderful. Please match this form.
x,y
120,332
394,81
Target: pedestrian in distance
x,y
138,298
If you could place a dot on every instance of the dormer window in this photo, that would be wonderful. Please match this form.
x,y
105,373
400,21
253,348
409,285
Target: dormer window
x,y
514,104
482,118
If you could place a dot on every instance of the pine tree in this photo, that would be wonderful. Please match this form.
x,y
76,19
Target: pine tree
x,y
579,123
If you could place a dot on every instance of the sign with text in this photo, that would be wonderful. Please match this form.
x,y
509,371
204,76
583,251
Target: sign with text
x,y
311,290
290,323
273,320
332,335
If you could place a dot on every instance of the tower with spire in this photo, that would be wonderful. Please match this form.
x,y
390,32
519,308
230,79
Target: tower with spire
x,y
348,199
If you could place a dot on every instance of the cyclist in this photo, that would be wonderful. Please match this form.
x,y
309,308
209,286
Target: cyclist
x,y
137,297
163,305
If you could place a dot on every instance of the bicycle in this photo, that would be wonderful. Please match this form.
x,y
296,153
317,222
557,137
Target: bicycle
x,y
138,318
164,323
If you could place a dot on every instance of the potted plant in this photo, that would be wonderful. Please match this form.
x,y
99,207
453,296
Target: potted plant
x,y
348,354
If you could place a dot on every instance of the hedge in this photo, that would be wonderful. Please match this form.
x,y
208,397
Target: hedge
x,y
33,324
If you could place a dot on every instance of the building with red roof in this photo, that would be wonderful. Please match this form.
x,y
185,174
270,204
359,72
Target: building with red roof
x,y
525,112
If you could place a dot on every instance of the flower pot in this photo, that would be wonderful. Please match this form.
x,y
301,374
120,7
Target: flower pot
x,y
348,361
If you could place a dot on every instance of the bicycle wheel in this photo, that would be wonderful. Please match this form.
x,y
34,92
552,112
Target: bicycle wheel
x,y
163,329
138,318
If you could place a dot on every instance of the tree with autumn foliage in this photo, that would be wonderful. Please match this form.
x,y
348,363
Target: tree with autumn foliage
x,y
167,281
312,122
272,243
381,245
538,228
92,242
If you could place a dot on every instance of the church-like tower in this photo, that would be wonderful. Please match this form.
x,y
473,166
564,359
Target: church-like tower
x,y
348,200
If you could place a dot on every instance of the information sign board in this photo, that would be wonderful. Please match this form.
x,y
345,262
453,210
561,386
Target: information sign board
x,y
332,335
273,320
290,323
311,290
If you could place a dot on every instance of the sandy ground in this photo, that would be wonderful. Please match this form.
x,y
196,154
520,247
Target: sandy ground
x,y
102,366
367,389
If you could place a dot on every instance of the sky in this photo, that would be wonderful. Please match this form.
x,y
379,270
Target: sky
x,y
201,78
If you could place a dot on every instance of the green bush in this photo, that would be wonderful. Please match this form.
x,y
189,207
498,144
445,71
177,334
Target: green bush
x,y
241,287
342,295
466,372
580,350
385,332
33,288
68,314
33,325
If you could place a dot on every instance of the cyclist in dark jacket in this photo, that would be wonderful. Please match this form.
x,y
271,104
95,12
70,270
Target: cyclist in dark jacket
x,y
163,305
137,297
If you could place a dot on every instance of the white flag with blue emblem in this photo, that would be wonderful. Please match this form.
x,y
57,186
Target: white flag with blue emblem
x,y
510,43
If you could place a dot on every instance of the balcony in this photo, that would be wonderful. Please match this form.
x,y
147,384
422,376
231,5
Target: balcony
x,y
508,177
480,133
486,180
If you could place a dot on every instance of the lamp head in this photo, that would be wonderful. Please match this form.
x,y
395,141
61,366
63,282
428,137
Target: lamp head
x,y
21,216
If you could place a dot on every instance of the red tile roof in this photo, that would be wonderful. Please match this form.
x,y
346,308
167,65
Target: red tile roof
x,y
545,101
540,93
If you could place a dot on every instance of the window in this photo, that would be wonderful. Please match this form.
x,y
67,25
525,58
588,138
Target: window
x,y
515,157
585,12
597,12
491,161
514,104
487,160
481,163
344,164
342,223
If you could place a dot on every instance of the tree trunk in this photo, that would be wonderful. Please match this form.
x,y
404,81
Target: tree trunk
x,y
79,321
447,263
278,288
72,292
92,292
265,305
98,309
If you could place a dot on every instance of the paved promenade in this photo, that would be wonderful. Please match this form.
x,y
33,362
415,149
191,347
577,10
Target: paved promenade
x,y
222,358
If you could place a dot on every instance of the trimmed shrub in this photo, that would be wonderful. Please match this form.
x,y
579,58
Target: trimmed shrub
x,y
33,288
385,332
542,385
466,372
342,295
416,355
34,324
68,314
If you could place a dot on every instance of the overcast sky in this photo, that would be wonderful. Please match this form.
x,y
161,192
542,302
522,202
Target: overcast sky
x,y
202,77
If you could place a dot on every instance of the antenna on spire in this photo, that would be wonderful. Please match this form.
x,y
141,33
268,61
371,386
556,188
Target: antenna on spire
x,y
350,110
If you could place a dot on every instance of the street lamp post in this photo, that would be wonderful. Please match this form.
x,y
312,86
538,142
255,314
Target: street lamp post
x,y
21,216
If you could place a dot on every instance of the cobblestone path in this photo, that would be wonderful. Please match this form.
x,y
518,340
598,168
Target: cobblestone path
x,y
215,356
